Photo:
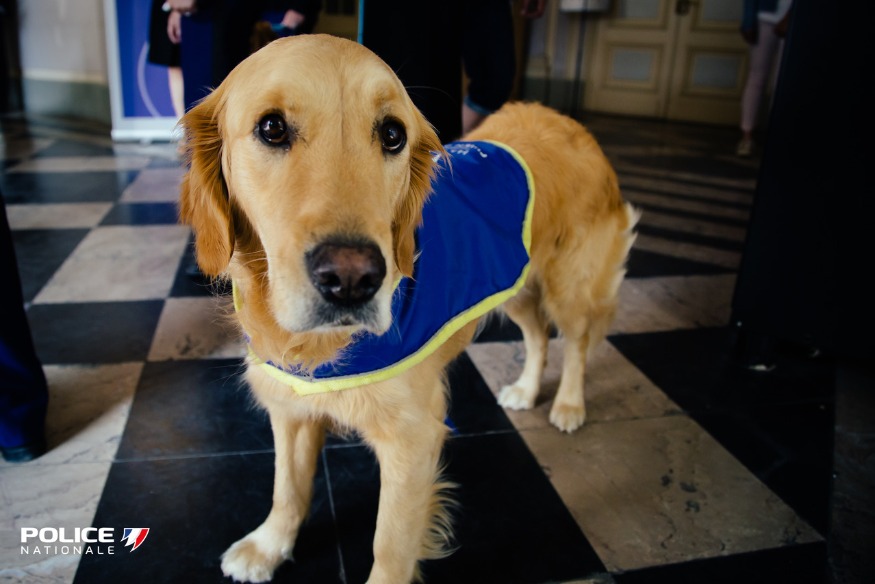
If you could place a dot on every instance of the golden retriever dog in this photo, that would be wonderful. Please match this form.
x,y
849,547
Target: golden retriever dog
x,y
309,169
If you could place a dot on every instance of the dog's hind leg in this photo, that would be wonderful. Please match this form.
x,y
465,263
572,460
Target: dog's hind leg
x,y
298,444
583,321
525,310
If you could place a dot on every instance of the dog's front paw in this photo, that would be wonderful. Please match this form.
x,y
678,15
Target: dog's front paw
x,y
252,560
567,418
514,397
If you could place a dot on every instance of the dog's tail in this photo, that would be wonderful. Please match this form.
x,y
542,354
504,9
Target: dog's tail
x,y
603,314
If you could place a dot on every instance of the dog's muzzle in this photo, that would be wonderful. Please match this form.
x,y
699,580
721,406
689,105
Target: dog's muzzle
x,y
347,274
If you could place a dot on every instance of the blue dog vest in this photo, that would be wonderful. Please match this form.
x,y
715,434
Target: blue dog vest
x,y
473,248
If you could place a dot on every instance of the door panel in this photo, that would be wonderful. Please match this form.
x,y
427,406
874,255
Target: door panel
x,y
676,59
629,75
709,70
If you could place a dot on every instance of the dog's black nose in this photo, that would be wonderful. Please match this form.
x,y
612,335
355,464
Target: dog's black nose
x,y
346,273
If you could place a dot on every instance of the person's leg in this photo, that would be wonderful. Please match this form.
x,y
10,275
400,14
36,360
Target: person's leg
x,y
421,42
196,57
23,390
762,59
488,55
233,21
177,92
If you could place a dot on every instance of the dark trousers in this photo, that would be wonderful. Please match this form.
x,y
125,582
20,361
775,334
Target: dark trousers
x,y
217,37
23,391
426,43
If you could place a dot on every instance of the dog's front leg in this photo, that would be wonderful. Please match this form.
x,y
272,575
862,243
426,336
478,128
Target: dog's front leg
x,y
298,444
410,522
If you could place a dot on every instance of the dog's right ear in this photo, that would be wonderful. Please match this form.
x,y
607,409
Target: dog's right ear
x,y
203,201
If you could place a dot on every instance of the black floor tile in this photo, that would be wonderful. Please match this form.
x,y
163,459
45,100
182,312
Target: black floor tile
x,y
646,264
690,238
98,332
473,408
742,204
498,328
778,424
195,508
712,167
799,564
165,162
694,215
142,214
510,525
710,378
40,252
190,408
64,187
190,281
852,513
71,148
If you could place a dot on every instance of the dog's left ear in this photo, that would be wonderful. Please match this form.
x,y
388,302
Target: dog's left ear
x,y
203,201
408,216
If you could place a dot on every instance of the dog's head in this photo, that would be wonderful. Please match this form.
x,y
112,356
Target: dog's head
x,y
310,164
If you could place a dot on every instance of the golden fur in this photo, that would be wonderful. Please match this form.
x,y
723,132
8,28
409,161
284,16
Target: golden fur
x,y
256,210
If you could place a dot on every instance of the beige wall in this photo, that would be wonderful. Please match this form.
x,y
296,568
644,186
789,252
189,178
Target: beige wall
x,y
63,58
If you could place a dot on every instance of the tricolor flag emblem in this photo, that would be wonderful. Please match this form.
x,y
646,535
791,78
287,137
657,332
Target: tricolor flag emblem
x,y
135,536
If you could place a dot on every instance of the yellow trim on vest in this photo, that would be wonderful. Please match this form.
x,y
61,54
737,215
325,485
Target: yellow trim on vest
x,y
303,386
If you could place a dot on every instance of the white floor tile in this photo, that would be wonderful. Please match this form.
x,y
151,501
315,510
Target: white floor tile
x,y
196,328
119,263
56,215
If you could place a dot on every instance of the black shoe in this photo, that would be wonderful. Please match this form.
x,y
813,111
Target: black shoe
x,y
23,453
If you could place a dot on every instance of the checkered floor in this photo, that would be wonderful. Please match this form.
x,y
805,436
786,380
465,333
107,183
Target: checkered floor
x,y
689,469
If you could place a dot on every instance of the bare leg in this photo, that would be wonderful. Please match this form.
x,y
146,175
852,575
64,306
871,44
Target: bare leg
x,y
298,444
470,119
174,81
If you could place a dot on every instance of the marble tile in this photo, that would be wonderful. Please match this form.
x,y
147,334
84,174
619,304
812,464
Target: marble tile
x,y
154,185
615,389
195,508
597,579
119,263
693,225
65,187
196,328
19,147
193,408
162,213
40,252
88,409
64,147
94,332
510,526
692,206
734,196
660,491
689,251
80,164
160,151
659,304
45,495
57,215
624,167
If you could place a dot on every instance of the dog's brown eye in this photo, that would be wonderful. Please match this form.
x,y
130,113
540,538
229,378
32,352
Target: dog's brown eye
x,y
393,136
273,129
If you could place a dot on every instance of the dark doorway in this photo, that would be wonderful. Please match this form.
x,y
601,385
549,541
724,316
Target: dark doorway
x,y
10,76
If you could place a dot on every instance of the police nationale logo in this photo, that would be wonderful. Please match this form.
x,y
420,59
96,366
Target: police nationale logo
x,y
135,536
78,541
